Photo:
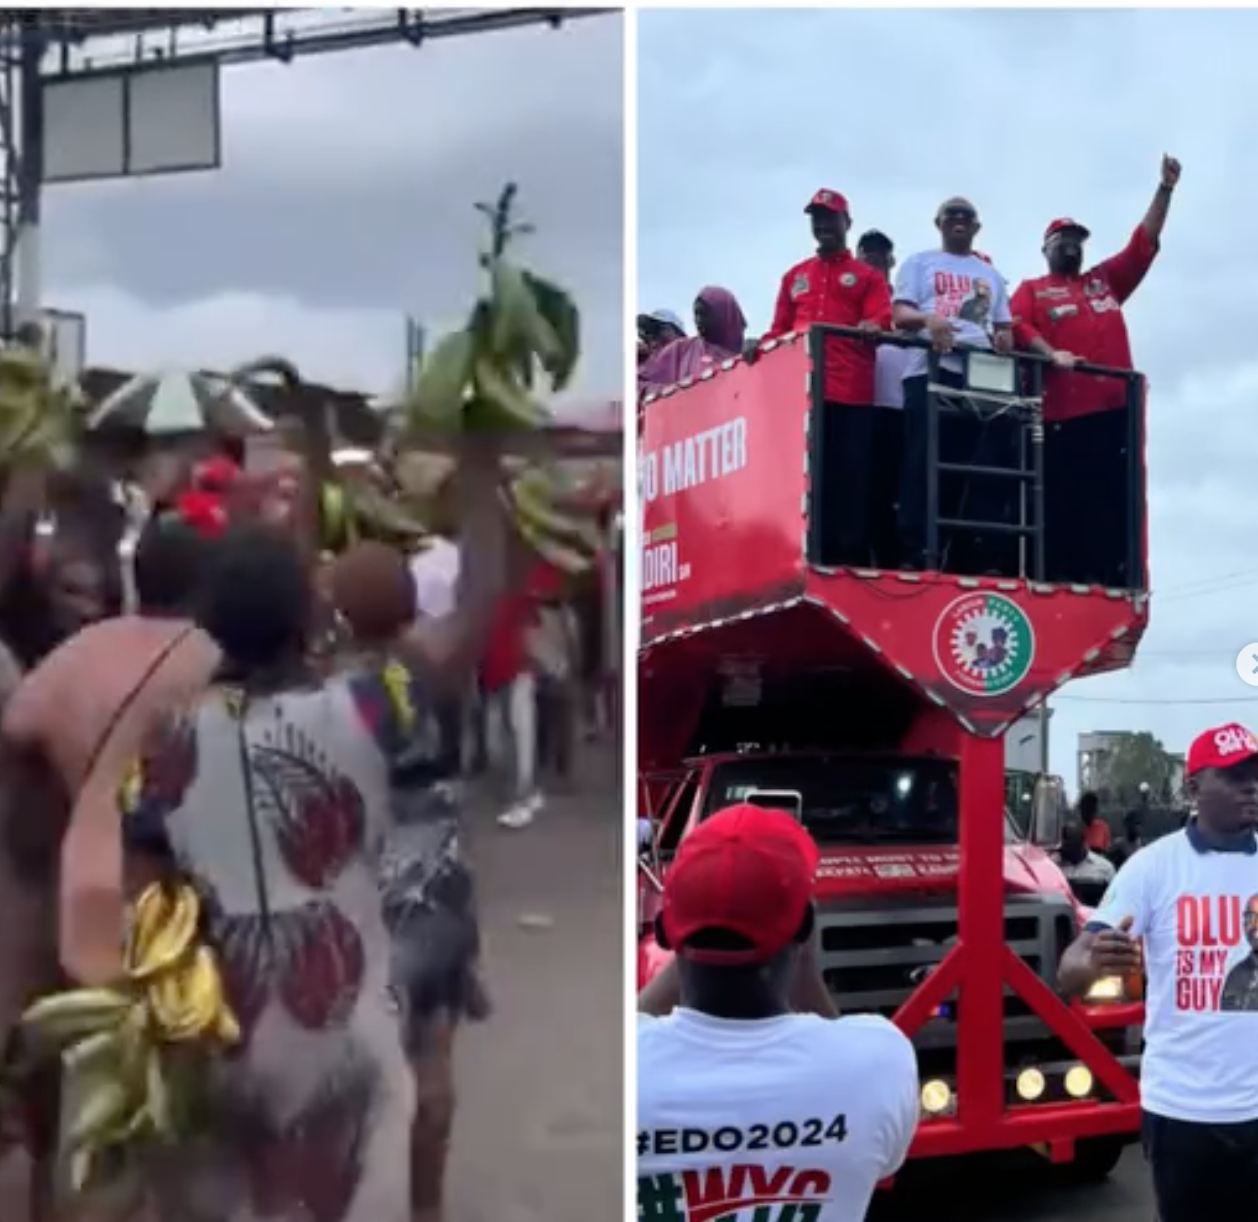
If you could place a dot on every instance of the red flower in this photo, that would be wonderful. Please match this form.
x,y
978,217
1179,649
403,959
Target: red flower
x,y
204,512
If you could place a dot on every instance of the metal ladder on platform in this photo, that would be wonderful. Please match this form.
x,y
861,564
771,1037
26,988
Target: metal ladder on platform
x,y
985,404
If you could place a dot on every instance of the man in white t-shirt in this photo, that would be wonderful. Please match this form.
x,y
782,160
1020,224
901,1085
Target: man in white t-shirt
x,y
955,296
1079,863
743,1106
1191,898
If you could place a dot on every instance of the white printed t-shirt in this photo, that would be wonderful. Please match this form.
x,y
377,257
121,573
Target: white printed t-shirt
x,y
889,375
798,1109
964,288
1188,904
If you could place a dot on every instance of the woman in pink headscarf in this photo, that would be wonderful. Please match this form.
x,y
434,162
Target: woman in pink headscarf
x,y
721,328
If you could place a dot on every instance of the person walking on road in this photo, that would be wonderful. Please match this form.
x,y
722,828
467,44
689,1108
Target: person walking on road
x,y
1191,900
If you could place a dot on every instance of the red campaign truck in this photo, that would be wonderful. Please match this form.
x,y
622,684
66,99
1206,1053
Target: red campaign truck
x,y
853,697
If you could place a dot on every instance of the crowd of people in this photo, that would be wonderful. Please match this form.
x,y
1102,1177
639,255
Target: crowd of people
x,y
1090,854
191,689
877,401
752,1089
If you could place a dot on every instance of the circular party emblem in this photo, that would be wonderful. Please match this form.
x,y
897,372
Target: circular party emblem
x,y
984,644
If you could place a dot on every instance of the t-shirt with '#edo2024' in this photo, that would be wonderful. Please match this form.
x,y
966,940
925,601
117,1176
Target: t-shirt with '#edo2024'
x,y
788,1119
1196,913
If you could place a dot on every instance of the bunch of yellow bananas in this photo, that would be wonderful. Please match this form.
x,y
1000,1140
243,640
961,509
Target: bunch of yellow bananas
x,y
483,376
36,415
114,1042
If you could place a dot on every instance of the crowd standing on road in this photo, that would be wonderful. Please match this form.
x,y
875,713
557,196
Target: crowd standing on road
x,y
283,731
877,400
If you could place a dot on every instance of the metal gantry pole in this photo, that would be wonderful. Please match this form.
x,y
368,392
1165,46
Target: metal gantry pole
x,y
28,287
10,186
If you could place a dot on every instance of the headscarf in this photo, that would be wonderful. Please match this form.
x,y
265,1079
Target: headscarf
x,y
687,358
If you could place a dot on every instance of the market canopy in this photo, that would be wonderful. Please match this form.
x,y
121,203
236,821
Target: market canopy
x,y
167,404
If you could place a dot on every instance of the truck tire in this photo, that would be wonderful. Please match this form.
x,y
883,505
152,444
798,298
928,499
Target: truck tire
x,y
1095,1159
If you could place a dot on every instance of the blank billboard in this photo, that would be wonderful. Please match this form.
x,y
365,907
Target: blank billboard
x,y
147,120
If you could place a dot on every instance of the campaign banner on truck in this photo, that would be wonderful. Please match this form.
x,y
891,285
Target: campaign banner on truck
x,y
722,476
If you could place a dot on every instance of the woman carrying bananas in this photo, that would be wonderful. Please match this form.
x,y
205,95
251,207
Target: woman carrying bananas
x,y
272,798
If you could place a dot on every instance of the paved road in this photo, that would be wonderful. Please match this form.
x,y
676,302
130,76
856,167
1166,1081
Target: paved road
x,y
538,1135
1017,1188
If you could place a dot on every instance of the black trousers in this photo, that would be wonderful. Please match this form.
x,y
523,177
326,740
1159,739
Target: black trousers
x,y
884,486
842,503
449,714
1202,1171
962,439
1087,500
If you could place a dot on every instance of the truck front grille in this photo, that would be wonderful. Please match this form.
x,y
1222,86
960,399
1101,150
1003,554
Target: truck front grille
x,y
874,957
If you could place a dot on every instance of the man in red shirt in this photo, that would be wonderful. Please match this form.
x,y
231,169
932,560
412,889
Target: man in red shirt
x,y
837,288
1074,315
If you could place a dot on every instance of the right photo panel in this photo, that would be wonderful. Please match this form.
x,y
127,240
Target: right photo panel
x,y
948,878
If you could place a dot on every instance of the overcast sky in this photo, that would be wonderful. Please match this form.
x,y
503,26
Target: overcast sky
x,y
1033,115
346,201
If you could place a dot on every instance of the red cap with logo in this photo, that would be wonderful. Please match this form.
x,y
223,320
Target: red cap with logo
x,y
746,870
827,201
1064,224
1222,747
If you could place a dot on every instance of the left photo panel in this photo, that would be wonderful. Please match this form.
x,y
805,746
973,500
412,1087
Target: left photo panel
x,y
312,362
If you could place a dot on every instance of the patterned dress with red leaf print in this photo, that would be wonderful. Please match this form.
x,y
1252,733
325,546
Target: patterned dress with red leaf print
x,y
281,808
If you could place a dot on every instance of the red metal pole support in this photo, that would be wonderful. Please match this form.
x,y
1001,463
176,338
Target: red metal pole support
x,y
981,1051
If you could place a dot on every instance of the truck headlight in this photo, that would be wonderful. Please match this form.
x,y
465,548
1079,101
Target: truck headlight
x,y
1108,988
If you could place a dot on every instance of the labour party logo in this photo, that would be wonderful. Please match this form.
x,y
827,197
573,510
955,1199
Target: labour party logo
x,y
984,644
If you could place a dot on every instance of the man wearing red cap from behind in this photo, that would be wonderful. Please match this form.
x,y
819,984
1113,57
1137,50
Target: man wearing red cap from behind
x,y
837,288
1074,315
1191,898
736,1091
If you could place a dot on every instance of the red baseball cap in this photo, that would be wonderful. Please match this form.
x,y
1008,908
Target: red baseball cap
x,y
748,870
827,201
1222,747
1064,223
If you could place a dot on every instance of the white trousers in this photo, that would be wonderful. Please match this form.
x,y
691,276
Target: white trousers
x,y
511,729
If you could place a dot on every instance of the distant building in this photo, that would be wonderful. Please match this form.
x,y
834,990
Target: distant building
x,y
1098,747
1095,750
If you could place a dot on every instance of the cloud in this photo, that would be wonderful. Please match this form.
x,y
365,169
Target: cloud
x,y
345,202
1033,115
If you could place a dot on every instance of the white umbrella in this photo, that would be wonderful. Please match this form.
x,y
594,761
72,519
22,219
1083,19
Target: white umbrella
x,y
164,404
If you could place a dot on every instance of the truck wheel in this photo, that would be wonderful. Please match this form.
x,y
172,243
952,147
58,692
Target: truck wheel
x,y
1095,1158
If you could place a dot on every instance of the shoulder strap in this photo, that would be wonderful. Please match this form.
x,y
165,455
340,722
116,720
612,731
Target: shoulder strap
x,y
128,701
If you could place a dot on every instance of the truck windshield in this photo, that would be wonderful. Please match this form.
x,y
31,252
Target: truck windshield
x,y
851,800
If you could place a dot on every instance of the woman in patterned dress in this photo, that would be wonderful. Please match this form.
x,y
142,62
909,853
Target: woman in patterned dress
x,y
286,796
